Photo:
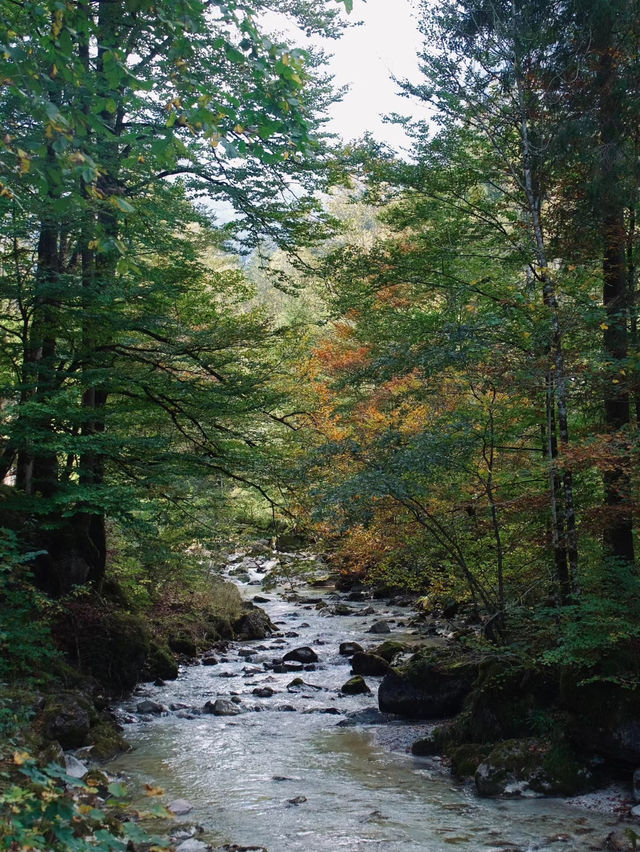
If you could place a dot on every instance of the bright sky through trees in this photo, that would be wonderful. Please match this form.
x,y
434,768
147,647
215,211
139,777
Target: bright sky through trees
x,y
366,59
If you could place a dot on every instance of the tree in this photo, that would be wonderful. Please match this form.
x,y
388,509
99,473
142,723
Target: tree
x,y
107,103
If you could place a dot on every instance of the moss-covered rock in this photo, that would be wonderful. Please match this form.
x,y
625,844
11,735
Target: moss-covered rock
x,y
107,741
183,643
532,766
604,717
253,624
466,758
390,649
425,746
369,664
111,646
432,685
510,699
355,686
66,718
161,663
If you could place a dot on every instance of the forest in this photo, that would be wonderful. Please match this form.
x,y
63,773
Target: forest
x,y
221,323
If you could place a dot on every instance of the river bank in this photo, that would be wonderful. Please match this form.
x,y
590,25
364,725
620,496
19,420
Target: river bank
x,y
300,765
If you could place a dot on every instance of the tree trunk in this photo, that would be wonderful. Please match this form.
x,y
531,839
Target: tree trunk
x,y
618,535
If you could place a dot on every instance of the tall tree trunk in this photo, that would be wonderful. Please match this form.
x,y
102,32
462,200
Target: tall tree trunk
x,y
618,535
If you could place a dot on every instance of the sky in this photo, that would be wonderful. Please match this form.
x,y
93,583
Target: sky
x,y
366,58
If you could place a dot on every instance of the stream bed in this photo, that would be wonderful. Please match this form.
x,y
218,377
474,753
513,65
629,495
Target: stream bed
x,y
308,769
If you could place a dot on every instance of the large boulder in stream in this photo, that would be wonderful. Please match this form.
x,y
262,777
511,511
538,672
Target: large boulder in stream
x,y
355,686
221,707
253,624
348,649
433,685
303,655
532,767
369,664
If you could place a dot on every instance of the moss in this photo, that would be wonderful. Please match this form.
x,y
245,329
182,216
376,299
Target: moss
x,y
466,758
160,663
106,740
534,764
390,649
355,686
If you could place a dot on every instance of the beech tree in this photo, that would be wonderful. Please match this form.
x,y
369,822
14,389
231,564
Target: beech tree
x,y
103,103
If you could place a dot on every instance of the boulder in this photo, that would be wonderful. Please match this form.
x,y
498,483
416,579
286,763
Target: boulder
x,y
301,655
67,719
180,807
221,707
390,649
370,716
343,609
380,627
160,663
369,664
210,660
264,691
253,624
532,767
183,643
425,747
148,707
433,685
355,686
348,649
604,718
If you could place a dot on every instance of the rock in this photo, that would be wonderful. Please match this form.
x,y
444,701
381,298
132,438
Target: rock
x,y
210,661
370,716
73,767
369,664
343,609
390,649
149,708
348,649
356,596
106,740
221,707
264,691
283,668
531,767
180,807
298,800
425,747
297,683
332,711
433,685
183,643
635,812
260,599
254,624
301,655
380,627
192,845
355,686
67,719
160,663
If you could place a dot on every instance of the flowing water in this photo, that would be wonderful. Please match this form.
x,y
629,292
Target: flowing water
x,y
361,787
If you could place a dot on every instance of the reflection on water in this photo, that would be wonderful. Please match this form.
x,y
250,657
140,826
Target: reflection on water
x,y
362,790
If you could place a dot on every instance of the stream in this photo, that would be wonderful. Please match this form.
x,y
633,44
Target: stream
x,y
299,771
